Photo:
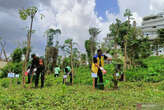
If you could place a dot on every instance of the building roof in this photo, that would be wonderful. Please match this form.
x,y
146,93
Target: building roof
x,y
159,15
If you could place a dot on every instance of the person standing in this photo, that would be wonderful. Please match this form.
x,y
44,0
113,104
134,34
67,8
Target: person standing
x,y
98,67
40,71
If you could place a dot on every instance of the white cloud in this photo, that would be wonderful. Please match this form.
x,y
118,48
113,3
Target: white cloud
x,y
156,5
74,17
137,18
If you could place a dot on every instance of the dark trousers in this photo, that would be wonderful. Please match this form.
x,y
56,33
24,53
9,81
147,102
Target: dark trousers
x,y
37,78
56,75
70,75
29,76
100,77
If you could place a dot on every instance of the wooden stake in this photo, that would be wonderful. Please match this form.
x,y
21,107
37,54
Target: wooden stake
x,y
93,83
31,79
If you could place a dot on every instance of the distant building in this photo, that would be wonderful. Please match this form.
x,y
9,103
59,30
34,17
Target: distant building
x,y
151,24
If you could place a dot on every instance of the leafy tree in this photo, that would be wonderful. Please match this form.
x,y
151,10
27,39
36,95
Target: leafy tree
x,y
66,61
88,44
93,33
128,14
24,14
138,46
51,51
69,47
17,55
83,58
59,60
115,29
158,42
50,33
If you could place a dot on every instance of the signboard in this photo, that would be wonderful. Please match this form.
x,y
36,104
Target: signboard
x,y
11,75
17,75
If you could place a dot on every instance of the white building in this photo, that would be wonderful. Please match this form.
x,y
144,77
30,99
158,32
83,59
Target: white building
x,y
151,24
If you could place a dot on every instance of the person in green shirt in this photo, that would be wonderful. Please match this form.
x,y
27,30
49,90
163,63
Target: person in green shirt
x,y
57,71
67,71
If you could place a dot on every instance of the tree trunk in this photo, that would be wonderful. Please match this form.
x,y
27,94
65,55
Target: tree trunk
x,y
1,55
72,64
157,53
91,51
28,50
115,57
125,54
3,50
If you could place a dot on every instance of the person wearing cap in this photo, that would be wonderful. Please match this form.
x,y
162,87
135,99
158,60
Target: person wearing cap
x,y
98,67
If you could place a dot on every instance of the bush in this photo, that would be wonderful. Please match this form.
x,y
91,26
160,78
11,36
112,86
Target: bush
x,y
17,55
11,67
153,73
5,83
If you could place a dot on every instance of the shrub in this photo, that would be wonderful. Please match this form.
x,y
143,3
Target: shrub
x,y
5,83
17,55
11,67
153,73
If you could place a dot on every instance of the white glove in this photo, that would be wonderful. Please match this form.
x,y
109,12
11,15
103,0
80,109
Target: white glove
x,y
101,68
117,74
35,69
28,70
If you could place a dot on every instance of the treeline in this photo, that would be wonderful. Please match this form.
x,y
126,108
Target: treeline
x,y
125,42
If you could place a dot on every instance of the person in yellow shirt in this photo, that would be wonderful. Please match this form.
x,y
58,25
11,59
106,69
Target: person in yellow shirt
x,y
98,67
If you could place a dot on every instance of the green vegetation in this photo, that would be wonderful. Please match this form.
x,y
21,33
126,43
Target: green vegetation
x,y
143,74
81,96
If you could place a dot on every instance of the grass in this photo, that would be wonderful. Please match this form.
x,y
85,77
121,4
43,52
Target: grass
x,y
81,96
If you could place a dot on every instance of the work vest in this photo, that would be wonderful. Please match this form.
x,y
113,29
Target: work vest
x,y
94,67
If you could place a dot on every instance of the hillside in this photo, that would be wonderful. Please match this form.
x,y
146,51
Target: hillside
x,y
81,96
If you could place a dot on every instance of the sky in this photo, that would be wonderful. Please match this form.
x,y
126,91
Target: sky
x,y
73,17
106,5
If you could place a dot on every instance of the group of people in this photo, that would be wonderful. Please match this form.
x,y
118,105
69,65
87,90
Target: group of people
x,y
67,72
37,66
